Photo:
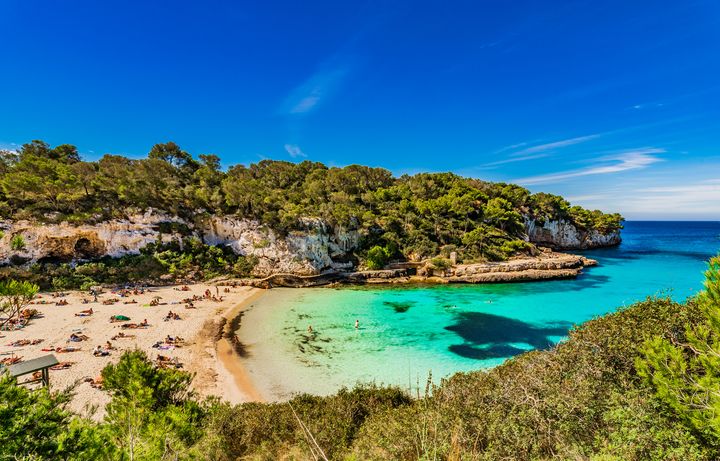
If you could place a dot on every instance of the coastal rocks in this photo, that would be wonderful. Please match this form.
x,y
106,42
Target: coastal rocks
x,y
563,235
29,242
547,266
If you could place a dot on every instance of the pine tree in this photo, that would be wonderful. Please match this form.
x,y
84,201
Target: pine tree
x,y
686,373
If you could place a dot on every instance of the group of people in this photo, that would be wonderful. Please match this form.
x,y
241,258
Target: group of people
x,y
172,316
100,351
103,351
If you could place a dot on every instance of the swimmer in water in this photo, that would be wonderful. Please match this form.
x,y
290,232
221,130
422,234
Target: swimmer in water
x,y
310,330
357,324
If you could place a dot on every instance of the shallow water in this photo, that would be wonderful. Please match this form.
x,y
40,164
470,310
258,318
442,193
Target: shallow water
x,y
409,332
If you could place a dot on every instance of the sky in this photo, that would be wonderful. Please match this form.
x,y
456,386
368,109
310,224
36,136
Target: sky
x,y
612,104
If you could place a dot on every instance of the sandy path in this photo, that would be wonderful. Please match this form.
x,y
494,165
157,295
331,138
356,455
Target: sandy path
x,y
199,327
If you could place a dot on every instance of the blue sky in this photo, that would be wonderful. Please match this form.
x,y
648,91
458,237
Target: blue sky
x,y
612,104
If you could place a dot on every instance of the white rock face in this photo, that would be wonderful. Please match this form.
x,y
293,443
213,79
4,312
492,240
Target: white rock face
x,y
306,252
564,235
68,242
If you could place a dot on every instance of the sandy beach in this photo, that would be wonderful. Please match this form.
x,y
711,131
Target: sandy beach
x,y
204,351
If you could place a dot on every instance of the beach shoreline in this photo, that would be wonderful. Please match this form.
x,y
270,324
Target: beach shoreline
x,y
230,361
202,352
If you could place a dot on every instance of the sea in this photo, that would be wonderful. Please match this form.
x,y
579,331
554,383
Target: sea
x,y
411,334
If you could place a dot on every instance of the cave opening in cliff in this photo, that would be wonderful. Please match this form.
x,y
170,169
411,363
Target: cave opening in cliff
x,y
84,249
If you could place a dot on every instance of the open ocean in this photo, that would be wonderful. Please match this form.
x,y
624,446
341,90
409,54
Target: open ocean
x,y
407,333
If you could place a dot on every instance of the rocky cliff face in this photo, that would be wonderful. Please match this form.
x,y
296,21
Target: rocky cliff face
x,y
563,235
307,252
314,249
65,242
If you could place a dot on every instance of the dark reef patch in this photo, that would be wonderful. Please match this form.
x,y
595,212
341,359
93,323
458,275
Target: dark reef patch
x,y
399,307
492,336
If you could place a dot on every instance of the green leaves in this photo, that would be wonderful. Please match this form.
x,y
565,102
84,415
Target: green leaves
x,y
685,372
14,297
377,257
152,415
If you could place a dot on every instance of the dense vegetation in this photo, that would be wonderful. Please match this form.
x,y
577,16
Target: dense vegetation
x,y
638,384
410,216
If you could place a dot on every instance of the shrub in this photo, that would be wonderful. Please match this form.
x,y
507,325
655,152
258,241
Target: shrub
x,y
376,258
17,243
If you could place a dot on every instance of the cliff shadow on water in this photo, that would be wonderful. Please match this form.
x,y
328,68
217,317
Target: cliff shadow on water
x,y
490,336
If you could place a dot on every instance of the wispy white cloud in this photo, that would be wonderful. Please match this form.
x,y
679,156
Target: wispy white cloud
x,y
516,159
511,147
555,145
697,200
623,161
306,97
294,151
9,146
648,105
586,198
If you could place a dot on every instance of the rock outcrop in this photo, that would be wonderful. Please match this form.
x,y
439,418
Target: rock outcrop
x,y
64,242
312,250
309,251
563,235
548,265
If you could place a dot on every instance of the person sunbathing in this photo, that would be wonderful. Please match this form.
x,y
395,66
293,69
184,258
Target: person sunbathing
x,y
63,350
77,338
10,360
25,342
85,313
62,302
97,382
130,302
135,326
62,366
28,313
122,335
162,346
100,352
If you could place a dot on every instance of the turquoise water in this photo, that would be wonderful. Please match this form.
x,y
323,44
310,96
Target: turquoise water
x,y
407,333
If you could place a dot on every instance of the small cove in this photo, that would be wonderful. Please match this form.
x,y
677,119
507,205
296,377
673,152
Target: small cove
x,y
409,332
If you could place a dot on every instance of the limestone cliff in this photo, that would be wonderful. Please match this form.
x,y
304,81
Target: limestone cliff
x,y
313,249
563,235
306,252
